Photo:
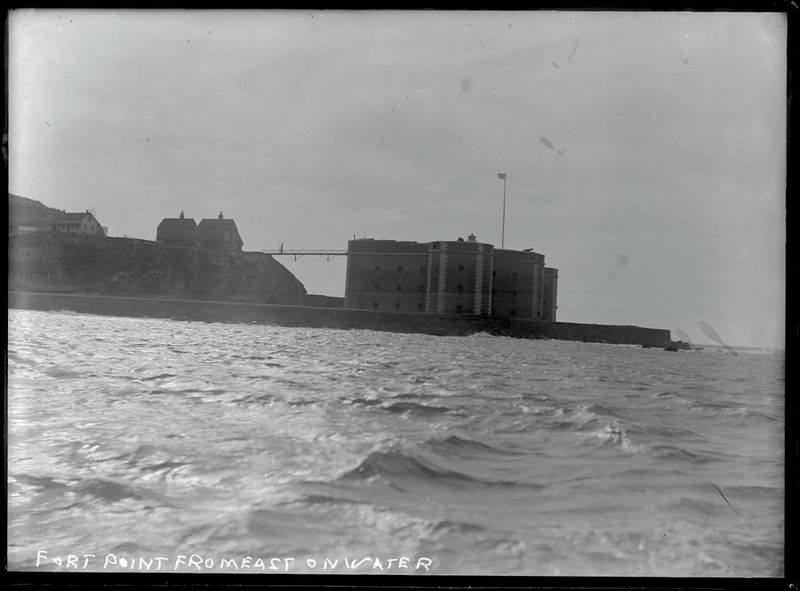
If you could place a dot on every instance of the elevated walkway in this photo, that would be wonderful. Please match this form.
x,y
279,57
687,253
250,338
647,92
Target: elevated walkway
x,y
302,252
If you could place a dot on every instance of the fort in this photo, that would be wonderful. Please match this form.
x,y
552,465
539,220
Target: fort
x,y
449,277
199,272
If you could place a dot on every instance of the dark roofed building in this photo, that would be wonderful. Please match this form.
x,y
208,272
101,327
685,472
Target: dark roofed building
x,y
180,231
219,234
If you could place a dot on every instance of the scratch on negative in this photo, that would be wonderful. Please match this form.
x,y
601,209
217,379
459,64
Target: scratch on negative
x,y
716,535
578,40
726,500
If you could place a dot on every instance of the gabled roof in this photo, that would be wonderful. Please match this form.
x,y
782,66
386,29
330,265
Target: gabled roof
x,y
207,226
177,222
217,223
75,216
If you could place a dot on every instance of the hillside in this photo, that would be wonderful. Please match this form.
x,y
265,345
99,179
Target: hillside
x,y
54,261
24,212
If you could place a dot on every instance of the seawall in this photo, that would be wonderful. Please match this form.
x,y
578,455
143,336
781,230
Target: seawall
x,y
319,317
593,333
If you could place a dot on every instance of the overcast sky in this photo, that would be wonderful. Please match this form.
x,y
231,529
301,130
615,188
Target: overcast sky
x,y
645,152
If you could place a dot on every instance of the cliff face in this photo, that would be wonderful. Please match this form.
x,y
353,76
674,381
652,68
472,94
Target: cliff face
x,y
53,261
24,212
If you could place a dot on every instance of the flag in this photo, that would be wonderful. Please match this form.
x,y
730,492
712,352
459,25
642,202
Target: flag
x,y
501,175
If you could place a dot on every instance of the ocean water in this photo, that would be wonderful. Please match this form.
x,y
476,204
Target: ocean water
x,y
150,444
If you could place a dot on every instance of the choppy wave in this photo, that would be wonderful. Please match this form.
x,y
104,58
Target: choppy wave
x,y
401,469
488,455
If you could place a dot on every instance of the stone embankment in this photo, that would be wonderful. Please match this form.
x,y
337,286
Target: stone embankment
x,y
287,315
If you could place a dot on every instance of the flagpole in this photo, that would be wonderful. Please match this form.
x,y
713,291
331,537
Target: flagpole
x,y
503,238
502,175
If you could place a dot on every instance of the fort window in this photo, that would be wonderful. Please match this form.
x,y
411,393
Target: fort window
x,y
422,269
376,287
419,307
421,288
397,306
459,308
377,267
375,305
460,288
399,267
399,288
513,275
513,312
461,267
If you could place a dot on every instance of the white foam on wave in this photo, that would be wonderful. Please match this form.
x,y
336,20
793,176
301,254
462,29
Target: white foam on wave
x,y
615,434
580,416
583,415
